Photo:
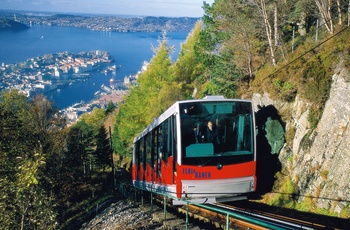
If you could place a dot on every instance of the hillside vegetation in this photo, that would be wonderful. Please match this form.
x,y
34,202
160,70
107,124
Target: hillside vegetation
x,y
51,173
287,50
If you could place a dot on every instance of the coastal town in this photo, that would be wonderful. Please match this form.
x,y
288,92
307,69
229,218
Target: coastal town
x,y
41,75
52,71
103,23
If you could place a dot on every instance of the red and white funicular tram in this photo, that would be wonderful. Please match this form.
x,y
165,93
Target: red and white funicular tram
x,y
198,150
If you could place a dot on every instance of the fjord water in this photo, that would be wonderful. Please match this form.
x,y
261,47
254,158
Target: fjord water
x,y
129,50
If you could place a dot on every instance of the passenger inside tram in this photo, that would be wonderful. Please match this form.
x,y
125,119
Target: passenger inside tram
x,y
211,135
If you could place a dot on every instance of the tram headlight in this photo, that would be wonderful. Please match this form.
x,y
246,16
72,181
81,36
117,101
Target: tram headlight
x,y
219,166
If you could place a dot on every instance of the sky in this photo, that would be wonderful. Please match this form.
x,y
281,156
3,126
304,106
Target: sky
x,y
169,8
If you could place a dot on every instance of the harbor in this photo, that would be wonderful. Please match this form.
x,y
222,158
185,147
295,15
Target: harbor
x,y
113,91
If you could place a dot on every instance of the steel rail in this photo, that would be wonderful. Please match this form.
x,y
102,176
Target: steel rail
x,y
245,217
256,218
284,224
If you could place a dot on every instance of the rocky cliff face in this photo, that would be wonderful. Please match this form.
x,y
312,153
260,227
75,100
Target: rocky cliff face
x,y
317,160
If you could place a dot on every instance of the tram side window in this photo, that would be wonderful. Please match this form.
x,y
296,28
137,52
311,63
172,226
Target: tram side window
x,y
160,142
173,137
165,139
137,153
142,152
148,148
155,145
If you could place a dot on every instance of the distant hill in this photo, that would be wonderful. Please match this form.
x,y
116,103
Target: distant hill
x,y
8,24
100,22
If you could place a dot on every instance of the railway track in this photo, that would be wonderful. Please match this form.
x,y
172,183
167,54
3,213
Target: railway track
x,y
218,220
224,216
246,215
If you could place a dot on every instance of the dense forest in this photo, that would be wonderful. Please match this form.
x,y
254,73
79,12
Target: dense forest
x,y
48,168
51,172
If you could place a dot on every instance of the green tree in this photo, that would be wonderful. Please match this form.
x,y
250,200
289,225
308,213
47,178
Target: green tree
x,y
12,107
80,144
33,204
103,148
187,67
129,121
151,82
95,118
146,100
221,74
110,107
242,40
24,200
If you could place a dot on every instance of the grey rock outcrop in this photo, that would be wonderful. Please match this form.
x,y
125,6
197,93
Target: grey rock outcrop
x,y
320,165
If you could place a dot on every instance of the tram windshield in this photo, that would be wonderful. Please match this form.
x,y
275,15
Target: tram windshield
x,y
213,130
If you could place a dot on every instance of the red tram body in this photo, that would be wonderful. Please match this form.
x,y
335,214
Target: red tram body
x,y
199,150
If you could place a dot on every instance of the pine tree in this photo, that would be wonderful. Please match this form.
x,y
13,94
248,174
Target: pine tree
x,y
103,148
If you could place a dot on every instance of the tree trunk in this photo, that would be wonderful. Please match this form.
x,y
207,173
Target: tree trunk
x,y
324,6
268,31
302,24
248,57
349,13
339,13
275,21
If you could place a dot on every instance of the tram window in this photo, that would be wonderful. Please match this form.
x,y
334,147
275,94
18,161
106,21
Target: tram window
x,y
232,123
142,152
137,153
241,134
160,142
148,147
165,139
153,146
174,143
169,138
157,150
173,137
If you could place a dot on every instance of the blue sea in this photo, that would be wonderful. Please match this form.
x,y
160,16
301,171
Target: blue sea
x,y
129,49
